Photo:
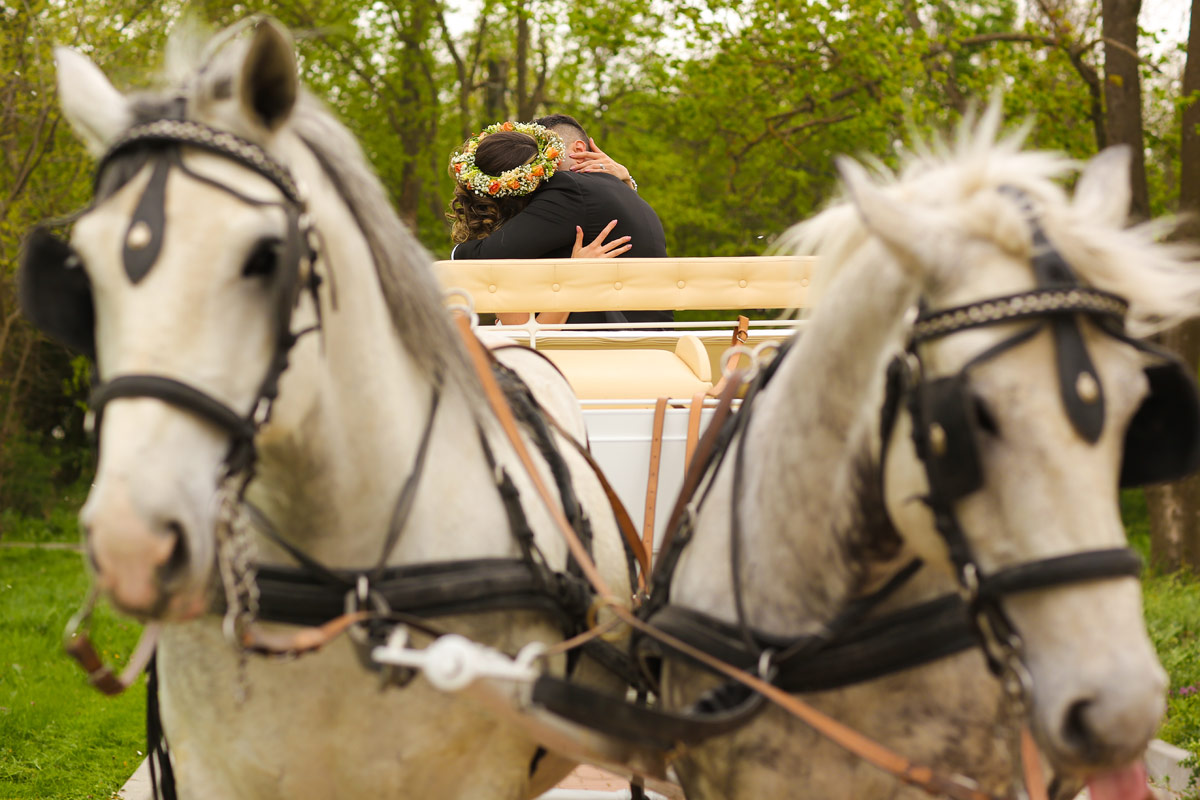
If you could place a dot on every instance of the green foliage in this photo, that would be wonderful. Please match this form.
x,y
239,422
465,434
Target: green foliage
x,y
59,737
37,474
1173,619
1137,521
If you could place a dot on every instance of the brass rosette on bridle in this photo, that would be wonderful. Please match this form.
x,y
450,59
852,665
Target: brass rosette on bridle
x,y
518,181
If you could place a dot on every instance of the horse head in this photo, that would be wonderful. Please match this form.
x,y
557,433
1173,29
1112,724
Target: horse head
x,y
1023,404
192,322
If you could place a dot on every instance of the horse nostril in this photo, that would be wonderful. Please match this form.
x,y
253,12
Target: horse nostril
x,y
1077,731
178,560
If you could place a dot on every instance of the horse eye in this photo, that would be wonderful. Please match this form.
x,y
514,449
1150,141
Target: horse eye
x,y
262,260
984,417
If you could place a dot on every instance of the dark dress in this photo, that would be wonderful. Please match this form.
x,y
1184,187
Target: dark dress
x,y
546,229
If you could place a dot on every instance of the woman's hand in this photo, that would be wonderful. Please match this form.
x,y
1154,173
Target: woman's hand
x,y
598,247
596,160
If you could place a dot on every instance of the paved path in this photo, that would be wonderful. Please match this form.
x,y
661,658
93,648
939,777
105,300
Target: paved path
x,y
1162,762
78,548
585,781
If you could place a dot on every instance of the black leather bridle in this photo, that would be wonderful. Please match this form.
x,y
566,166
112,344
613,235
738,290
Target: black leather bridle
x,y
293,273
946,427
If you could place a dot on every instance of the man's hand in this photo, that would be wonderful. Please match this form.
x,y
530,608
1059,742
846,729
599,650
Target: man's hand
x,y
596,160
598,247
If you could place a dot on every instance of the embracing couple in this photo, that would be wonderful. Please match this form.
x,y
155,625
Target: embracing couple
x,y
516,195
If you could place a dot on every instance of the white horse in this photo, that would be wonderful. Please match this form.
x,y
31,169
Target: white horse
x,y
198,270
832,501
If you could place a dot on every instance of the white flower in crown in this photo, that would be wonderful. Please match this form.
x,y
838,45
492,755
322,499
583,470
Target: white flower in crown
x,y
518,181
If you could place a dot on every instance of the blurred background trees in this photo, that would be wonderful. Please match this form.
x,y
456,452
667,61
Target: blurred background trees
x,y
728,113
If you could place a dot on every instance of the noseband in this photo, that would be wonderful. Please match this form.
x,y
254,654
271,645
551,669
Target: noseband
x,y
143,241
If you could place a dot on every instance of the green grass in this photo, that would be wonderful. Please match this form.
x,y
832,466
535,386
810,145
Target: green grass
x,y
59,738
1172,609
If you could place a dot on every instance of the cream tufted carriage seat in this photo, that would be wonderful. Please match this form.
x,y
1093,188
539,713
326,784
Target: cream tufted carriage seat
x,y
642,363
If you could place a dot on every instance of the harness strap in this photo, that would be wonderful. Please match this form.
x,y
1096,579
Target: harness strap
x,y
495,397
1057,571
100,675
408,493
695,411
740,335
1031,762
633,543
176,393
871,649
629,532
656,441
697,467
927,778
443,588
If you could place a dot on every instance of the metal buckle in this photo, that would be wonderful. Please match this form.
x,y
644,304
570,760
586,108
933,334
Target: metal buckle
x,y
766,670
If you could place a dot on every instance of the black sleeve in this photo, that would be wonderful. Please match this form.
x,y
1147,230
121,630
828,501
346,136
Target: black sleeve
x,y
547,224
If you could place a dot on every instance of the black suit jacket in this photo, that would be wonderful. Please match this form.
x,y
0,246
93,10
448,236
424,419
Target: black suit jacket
x,y
546,229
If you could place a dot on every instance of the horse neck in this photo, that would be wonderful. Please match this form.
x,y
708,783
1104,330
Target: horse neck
x,y
353,408
809,504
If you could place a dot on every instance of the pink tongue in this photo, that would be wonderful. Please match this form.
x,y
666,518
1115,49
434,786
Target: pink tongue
x,y
1127,783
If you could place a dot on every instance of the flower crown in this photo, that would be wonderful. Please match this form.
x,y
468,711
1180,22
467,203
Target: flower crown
x,y
517,181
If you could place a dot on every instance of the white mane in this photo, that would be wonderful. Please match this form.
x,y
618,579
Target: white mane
x,y
963,178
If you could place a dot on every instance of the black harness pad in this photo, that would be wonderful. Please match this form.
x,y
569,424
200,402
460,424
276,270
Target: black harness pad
x,y
54,291
1162,442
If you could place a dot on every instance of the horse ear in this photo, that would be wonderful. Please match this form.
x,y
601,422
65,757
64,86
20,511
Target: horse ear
x,y
916,236
98,113
1102,192
269,82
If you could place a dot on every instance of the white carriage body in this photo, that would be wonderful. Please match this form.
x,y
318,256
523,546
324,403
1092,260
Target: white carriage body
x,y
620,371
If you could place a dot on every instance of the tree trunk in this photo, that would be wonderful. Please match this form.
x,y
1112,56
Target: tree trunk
x,y
1123,93
495,106
1175,508
524,107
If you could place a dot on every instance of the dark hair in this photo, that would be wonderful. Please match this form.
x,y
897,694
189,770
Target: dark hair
x,y
473,216
553,121
504,150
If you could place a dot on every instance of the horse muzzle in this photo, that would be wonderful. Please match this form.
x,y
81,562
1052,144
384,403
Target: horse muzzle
x,y
144,564
1107,718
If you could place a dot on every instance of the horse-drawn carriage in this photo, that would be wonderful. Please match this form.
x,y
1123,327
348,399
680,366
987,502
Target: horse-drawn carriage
x,y
911,521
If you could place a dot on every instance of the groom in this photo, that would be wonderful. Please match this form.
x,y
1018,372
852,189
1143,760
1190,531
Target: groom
x,y
589,199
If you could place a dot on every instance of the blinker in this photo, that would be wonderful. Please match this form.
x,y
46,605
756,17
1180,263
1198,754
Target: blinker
x,y
949,449
54,291
1162,442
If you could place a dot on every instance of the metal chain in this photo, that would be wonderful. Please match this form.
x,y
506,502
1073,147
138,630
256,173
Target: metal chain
x,y
236,557
1016,683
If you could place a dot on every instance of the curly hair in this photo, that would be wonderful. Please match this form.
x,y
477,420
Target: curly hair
x,y
473,216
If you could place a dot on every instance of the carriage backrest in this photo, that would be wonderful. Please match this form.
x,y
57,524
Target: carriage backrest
x,y
631,284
